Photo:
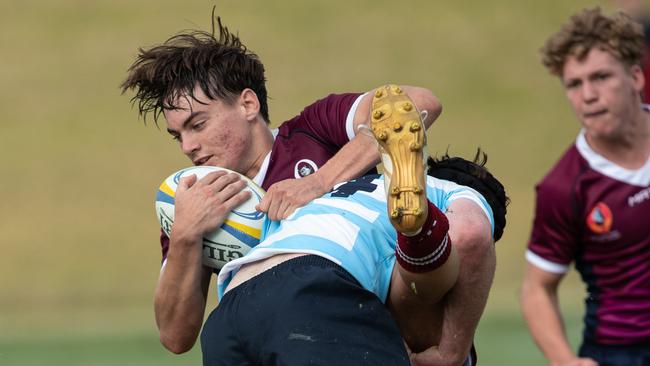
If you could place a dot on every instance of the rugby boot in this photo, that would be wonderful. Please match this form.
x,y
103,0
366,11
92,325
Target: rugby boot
x,y
398,128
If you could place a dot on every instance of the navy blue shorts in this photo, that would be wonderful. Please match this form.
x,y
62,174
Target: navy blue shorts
x,y
305,311
617,355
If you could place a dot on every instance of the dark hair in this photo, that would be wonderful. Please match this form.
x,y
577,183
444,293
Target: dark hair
x,y
222,67
619,35
475,175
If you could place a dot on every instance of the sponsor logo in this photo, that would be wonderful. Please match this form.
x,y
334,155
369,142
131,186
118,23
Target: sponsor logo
x,y
602,238
304,168
639,197
221,252
600,219
166,222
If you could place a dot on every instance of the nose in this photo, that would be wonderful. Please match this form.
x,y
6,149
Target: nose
x,y
589,93
189,144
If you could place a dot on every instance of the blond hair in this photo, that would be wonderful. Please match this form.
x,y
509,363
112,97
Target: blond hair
x,y
618,34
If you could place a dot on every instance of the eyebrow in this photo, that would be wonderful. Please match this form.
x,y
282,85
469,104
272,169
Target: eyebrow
x,y
186,122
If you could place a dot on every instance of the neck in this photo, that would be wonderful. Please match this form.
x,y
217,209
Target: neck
x,y
260,146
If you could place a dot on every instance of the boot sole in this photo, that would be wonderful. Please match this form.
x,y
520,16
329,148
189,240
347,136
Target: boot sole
x,y
398,128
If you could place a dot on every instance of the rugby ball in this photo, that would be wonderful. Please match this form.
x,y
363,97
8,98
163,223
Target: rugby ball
x,y
240,231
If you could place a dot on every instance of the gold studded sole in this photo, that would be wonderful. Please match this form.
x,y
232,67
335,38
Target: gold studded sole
x,y
396,124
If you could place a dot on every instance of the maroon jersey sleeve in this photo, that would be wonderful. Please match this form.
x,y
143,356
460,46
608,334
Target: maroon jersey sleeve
x,y
554,236
164,245
328,118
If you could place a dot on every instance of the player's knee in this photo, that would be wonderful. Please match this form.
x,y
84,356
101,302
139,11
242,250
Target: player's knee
x,y
474,236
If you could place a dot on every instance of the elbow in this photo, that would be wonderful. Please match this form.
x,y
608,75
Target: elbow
x,y
176,344
426,101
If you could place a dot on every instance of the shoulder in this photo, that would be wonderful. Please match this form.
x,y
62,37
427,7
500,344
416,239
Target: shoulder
x,y
325,116
561,180
332,103
335,98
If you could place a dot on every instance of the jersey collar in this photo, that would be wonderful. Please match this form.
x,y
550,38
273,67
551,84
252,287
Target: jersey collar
x,y
261,174
639,177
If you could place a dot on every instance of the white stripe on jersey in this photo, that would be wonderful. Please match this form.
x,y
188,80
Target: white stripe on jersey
x,y
356,208
545,264
476,200
320,226
349,120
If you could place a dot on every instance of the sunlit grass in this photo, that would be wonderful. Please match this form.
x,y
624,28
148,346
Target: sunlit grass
x,y
79,169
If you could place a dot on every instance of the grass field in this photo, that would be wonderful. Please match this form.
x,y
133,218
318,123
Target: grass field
x,y
79,253
501,340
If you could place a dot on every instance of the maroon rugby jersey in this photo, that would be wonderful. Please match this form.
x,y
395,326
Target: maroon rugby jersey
x,y
305,143
597,214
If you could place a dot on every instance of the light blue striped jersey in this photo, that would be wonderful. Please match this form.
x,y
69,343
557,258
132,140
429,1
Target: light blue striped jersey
x,y
350,227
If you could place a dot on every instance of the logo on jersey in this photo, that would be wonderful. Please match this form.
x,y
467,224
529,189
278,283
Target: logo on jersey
x,y
303,168
600,219
639,197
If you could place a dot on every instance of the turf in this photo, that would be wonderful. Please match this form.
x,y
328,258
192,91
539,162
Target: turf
x,y
79,255
501,340
127,350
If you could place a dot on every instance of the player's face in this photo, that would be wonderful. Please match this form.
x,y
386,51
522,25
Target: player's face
x,y
603,92
211,132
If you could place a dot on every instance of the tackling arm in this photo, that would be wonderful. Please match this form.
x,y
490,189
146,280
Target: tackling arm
x,y
351,161
360,154
442,331
470,233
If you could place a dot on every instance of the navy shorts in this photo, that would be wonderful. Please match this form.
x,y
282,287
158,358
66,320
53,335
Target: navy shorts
x,y
305,311
617,355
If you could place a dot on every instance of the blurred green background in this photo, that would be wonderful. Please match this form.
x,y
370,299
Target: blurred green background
x,y
79,256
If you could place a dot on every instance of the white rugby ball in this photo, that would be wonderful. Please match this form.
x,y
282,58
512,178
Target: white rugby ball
x,y
240,231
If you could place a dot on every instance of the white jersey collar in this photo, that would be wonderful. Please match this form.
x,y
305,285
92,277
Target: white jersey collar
x,y
259,178
639,177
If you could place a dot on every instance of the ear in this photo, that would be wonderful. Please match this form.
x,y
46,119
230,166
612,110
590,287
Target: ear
x,y
250,104
637,77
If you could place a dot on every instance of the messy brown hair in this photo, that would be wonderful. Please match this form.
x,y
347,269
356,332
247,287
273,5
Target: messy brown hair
x,y
217,62
618,34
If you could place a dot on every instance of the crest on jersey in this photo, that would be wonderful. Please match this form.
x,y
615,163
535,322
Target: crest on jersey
x,y
304,168
600,219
